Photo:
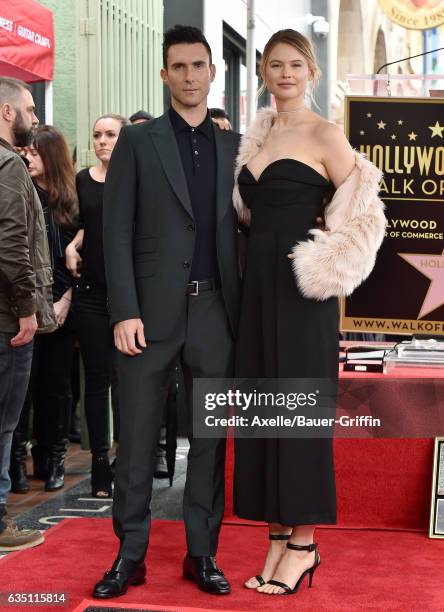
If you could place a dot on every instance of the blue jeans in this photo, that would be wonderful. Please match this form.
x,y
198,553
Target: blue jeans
x,y
15,367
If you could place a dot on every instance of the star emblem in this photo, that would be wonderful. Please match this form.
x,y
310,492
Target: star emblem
x,y
400,122
381,125
436,129
362,133
431,266
393,136
412,136
369,115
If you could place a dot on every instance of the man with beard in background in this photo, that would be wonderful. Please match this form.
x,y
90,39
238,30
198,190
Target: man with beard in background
x,y
25,284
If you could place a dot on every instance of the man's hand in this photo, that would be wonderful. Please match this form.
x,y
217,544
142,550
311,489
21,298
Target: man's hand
x,y
125,335
320,224
73,260
28,327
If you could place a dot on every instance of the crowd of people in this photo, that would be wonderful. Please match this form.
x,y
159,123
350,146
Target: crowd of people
x,y
141,250
71,206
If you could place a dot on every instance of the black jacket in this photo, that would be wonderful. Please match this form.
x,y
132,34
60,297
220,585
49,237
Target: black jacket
x,y
25,267
148,227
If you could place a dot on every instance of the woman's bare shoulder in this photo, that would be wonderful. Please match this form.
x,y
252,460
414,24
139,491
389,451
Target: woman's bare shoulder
x,y
328,131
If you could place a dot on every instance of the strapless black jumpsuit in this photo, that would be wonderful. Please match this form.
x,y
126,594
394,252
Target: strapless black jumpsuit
x,y
284,335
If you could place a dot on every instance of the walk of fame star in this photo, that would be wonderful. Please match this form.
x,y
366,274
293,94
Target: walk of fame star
x,y
431,266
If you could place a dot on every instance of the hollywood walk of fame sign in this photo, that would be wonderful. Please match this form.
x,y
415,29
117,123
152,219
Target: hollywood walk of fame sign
x,y
404,137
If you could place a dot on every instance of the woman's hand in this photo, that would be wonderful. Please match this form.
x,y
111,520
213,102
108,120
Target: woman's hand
x,y
61,309
73,260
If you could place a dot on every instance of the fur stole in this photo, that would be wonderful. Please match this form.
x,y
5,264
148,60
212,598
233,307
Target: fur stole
x,y
333,263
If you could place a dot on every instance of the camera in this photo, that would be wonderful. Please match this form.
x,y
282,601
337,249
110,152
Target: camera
x,y
320,25
321,28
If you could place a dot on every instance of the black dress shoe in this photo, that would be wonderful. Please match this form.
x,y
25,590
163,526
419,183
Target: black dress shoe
x,y
161,465
124,573
208,576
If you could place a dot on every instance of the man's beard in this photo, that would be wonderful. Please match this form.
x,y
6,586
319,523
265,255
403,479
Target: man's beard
x,y
22,135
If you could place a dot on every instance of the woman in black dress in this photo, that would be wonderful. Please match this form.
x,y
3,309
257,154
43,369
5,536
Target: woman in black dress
x,y
290,158
50,391
90,301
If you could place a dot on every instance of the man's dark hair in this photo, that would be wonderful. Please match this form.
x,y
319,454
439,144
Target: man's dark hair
x,y
141,114
219,113
183,34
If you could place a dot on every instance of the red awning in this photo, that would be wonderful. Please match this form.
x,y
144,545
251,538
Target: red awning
x,y
26,41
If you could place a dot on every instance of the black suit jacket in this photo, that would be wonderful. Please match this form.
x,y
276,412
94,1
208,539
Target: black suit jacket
x,y
149,231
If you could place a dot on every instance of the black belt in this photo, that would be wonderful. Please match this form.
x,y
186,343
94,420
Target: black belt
x,y
197,287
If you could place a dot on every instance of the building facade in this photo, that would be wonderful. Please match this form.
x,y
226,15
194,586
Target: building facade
x,y
108,53
362,39
107,59
225,27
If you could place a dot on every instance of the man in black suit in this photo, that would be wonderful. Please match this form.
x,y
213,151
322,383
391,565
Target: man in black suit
x,y
173,284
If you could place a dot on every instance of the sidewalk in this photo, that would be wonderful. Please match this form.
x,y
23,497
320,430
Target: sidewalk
x,y
39,509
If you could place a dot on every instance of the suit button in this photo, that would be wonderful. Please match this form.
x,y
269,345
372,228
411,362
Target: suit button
x,y
190,227
186,264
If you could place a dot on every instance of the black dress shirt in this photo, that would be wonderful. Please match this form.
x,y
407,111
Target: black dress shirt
x,y
198,153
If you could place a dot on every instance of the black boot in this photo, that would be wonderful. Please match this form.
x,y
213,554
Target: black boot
x,y
101,476
59,427
40,461
56,474
161,465
17,468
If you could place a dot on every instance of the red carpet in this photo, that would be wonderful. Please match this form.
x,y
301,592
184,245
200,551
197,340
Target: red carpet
x,y
381,484
88,605
361,570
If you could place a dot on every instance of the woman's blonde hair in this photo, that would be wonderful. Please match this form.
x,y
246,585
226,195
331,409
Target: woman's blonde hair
x,y
302,44
123,120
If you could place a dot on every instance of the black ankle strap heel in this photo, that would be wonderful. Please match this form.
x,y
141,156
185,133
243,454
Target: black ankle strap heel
x,y
274,537
310,571
308,547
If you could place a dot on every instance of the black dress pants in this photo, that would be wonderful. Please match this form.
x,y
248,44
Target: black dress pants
x,y
50,391
203,342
